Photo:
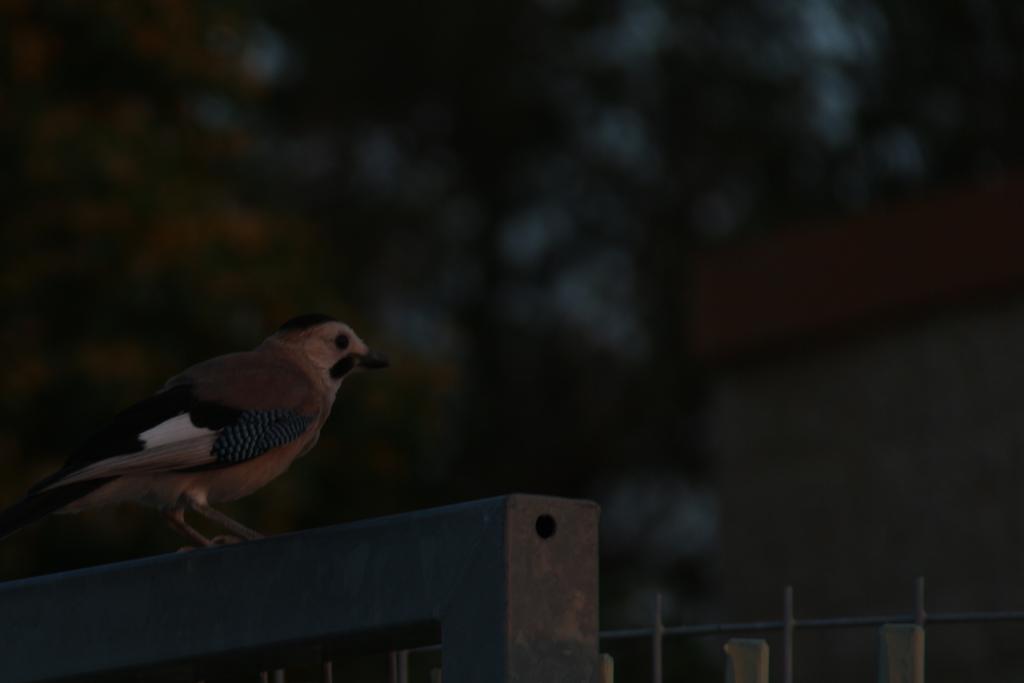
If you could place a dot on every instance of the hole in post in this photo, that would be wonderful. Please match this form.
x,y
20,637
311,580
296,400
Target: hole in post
x,y
546,526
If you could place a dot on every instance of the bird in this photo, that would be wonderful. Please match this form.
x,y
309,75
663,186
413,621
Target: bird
x,y
214,433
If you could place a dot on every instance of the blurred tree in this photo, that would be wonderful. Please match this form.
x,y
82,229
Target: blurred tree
x,y
139,240
132,248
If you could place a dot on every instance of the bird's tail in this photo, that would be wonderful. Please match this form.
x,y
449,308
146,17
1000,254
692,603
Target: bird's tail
x,y
37,504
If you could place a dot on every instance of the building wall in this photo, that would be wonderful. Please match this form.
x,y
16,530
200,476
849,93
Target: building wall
x,y
850,470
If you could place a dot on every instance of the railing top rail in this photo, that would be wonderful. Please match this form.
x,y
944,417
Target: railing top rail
x,y
386,583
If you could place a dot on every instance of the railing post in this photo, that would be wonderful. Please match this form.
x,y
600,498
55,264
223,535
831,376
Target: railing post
x,y
920,615
607,668
657,641
788,628
746,660
526,609
901,654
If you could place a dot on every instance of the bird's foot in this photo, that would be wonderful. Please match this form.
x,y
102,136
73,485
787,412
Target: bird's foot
x,y
185,548
225,540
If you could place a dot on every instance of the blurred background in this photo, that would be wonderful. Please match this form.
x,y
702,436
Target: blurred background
x,y
746,273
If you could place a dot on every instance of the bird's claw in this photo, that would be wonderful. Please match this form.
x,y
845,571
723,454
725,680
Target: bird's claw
x,y
225,540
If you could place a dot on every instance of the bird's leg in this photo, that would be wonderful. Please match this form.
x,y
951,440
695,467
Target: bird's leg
x,y
176,518
225,521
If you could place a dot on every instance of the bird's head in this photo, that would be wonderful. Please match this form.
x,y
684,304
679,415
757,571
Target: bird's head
x,y
329,345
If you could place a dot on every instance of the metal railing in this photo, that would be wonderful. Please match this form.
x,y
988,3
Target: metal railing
x,y
919,618
743,656
509,586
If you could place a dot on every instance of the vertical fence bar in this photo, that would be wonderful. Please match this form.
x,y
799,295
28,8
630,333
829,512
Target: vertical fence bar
x,y
746,660
264,677
392,667
657,638
920,615
607,668
901,654
279,676
788,626
328,672
403,666
435,675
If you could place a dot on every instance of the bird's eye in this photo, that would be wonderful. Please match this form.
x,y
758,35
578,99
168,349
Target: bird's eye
x,y
341,341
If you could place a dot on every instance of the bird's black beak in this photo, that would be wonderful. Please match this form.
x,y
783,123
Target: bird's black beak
x,y
373,360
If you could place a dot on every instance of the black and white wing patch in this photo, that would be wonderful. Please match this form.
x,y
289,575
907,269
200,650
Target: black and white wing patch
x,y
174,431
257,431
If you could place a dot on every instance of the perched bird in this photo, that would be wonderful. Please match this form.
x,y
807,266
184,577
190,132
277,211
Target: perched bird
x,y
214,433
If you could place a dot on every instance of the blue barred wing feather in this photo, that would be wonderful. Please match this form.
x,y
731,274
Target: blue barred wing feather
x,y
257,431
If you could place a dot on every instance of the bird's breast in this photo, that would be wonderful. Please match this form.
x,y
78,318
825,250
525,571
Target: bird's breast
x,y
237,481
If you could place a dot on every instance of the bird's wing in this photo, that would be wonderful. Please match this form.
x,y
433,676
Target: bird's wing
x,y
219,413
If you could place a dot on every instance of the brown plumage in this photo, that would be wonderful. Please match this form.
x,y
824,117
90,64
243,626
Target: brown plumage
x,y
214,433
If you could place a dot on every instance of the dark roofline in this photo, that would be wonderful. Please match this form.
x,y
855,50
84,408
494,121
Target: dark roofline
x,y
800,285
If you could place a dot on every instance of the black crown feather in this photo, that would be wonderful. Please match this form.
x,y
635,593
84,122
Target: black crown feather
x,y
301,322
